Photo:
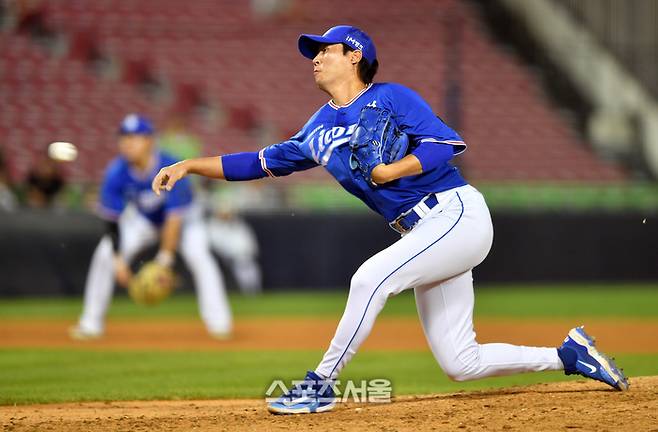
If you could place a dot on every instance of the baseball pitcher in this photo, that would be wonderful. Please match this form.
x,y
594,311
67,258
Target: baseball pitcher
x,y
383,144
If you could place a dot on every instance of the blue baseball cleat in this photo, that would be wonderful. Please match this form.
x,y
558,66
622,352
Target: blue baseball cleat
x,y
313,395
580,356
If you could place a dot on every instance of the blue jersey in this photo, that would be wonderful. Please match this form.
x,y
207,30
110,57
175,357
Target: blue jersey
x,y
324,140
123,185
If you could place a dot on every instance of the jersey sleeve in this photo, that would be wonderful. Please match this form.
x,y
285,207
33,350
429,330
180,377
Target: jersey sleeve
x,y
286,157
416,118
431,154
112,201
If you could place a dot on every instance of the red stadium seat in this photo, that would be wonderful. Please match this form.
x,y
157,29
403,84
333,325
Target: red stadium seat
x,y
234,58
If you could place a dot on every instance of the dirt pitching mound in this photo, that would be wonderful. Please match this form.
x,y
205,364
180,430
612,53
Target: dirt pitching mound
x,y
581,405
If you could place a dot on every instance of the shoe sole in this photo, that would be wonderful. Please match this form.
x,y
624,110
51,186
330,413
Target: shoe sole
x,y
284,410
78,335
583,339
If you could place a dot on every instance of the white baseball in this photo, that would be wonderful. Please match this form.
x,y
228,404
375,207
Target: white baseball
x,y
62,151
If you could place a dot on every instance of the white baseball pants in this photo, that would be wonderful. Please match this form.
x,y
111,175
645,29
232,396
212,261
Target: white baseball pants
x,y
235,242
138,233
435,259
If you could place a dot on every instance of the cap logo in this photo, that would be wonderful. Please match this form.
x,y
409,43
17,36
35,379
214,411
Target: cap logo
x,y
131,122
355,42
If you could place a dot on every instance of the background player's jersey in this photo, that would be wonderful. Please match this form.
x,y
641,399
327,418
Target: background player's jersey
x,y
324,140
123,185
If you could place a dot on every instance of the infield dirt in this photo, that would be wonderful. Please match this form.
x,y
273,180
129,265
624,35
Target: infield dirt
x,y
621,335
582,406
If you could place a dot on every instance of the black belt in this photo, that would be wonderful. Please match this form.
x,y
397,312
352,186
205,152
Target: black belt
x,y
407,220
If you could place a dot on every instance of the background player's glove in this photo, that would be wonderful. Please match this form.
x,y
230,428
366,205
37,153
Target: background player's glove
x,y
376,140
152,284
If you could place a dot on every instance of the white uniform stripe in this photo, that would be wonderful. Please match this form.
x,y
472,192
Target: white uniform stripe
x,y
263,163
334,106
461,145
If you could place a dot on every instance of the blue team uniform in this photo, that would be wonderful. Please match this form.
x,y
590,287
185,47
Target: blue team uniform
x,y
324,140
123,185
435,259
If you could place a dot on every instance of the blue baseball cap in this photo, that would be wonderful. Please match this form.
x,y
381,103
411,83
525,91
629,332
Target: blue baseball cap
x,y
348,35
136,124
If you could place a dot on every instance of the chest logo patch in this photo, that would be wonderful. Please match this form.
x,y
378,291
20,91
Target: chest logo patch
x,y
322,142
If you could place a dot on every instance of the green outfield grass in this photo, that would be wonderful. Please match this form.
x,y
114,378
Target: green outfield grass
x,y
58,375
523,301
515,196
48,376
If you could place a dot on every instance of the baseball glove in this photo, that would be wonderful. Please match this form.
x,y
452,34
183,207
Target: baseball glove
x,y
376,140
152,284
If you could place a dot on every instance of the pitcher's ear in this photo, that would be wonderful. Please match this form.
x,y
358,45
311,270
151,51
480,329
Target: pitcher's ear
x,y
356,56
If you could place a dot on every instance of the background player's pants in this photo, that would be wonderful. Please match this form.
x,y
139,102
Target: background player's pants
x,y
138,233
235,242
436,259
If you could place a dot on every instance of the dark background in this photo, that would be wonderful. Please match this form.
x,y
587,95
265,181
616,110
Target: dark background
x,y
45,253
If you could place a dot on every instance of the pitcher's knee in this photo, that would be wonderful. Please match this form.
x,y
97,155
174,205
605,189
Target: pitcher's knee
x,y
364,281
463,367
458,373
361,280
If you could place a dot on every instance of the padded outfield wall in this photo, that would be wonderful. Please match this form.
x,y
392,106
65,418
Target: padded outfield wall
x,y
48,253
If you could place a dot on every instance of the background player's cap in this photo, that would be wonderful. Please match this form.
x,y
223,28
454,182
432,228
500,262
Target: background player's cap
x,y
136,124
348,35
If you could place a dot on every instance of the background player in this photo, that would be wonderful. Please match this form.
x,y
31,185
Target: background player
x,y
136,218
229,234
445,225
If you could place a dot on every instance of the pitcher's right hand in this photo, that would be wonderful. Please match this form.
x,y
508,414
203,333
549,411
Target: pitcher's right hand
x,y
168,176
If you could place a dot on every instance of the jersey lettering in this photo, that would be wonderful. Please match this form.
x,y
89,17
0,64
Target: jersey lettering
x,y
323,145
